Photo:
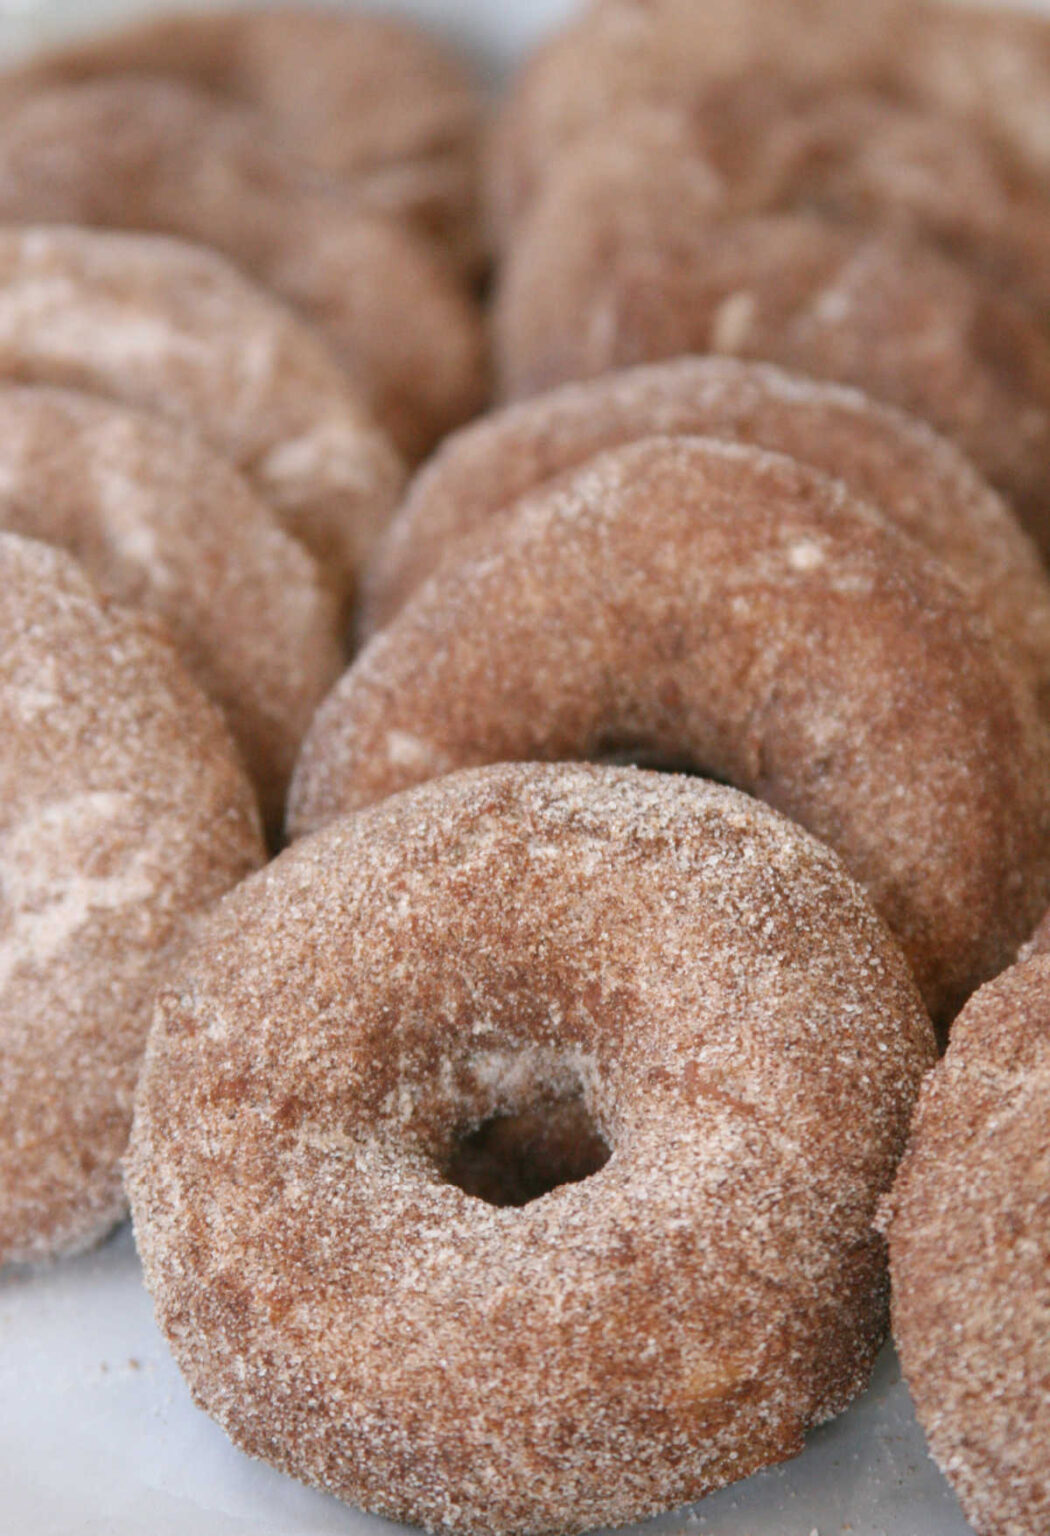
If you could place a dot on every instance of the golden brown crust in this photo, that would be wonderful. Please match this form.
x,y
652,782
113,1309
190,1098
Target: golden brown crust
x,y
157,155
376,101
969,1232
718,606
163,524
123,815
919,481
694,964
609,271
156,323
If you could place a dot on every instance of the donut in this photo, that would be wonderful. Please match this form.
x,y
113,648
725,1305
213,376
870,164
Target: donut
x,y
124,814
660,962
388,109
173,328
709,605
919,481
163,524
990,70
159,156
608,273
969,1237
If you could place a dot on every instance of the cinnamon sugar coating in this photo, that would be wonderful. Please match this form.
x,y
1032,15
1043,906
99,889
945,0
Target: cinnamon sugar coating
x,y
746,1039
163,524
919,481
124,814
172,327
987,68
158,155
388,108
710,605
968,1223
611,270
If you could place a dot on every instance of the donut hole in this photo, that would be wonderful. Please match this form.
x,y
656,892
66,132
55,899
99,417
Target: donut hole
x,y
625,753
513,1158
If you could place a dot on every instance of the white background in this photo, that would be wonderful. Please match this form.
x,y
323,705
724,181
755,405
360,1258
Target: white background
x,y
98,1436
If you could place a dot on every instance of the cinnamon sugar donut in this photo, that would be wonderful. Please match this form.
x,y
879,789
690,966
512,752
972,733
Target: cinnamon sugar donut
x,y
969,1232
918,480
374,100
123,815
156,323
160,156
165,525
679,972
607,273
711,605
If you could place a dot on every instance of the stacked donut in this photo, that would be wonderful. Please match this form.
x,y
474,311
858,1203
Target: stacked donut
x,y
512,1153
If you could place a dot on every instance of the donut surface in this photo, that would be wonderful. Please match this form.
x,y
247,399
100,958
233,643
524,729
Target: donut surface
x,y
601,279
969,1232
163,524
919,481
388,109
156,323
663,959
123,815
160,156
710,605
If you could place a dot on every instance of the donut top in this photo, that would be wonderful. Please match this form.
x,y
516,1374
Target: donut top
x,y
123,814
745,1035
920,481
969,1230
153,322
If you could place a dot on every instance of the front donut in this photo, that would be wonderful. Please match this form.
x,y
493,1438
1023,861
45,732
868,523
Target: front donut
x,y
506,1155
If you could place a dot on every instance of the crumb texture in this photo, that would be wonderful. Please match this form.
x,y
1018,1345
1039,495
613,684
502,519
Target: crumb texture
x,y
746,1039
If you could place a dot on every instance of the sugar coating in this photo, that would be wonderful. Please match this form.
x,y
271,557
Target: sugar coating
x,y
606,273
155,323
164,524
968,1223
144,154
389,109
652,602
920,481
124,814
747,1039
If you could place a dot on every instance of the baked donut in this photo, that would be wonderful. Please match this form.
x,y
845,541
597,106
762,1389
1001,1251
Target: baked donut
x,y
608,273
969,1233
704,604
123,815
919,481
160,156
387,107
681,974
987,68
153,322
163,524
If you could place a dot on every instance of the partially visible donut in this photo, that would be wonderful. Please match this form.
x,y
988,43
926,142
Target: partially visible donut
x,y
157,323
159,156
123,815
919,481
607,274
668,966
385,106
163,524
711,605
969,1233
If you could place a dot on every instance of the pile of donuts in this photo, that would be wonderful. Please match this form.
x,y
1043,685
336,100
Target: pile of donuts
x,y
491,890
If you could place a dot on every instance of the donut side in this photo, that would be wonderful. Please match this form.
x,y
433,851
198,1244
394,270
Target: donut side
x,y
968,1225
125,815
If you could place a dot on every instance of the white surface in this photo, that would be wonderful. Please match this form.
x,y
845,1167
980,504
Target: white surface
x,y
98,1436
